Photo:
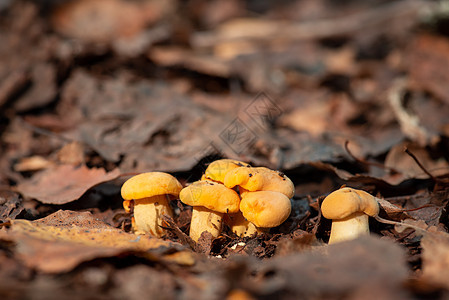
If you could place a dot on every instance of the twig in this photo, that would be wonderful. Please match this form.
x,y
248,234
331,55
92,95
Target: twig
x,y
185,239
385,221
369,163
315,227
421,166
421,207
45,132
408,121
411,209
319,29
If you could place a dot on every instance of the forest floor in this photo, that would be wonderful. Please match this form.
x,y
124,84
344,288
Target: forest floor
x,y
331,93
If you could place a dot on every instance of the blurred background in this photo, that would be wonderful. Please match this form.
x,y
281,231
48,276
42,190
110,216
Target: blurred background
x,y
145,85
329,92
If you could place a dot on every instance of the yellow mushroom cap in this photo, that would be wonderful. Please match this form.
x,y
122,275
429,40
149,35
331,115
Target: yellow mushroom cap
x,y
346,201
150,184
265,208
212,195
218,169
260,179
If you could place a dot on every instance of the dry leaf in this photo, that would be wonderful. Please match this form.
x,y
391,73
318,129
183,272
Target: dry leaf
x,y
394,212
346,267
32,163
64,183
10,205
428,64
399,160
106,20
435,258
71,154
410,123
61,241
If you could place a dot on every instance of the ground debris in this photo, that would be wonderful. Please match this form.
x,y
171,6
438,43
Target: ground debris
x,y
330,93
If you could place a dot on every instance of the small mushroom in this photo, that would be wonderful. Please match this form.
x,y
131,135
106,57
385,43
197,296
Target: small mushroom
x,y
250,179
349,210
240,226
218,169
150,194
259,179
210,201
264,209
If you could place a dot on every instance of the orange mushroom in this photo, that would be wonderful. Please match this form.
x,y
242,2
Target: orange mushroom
x,y
349,210
264,209
250,179
210,201
149,195
259,179
218,169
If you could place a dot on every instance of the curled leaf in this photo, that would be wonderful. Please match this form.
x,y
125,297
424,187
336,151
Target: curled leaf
x,y
64,183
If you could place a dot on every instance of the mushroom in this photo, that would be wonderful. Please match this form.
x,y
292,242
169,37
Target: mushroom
x,y
349,210
149,194
251,179
240,226
259,179
264,209
210,201
218,169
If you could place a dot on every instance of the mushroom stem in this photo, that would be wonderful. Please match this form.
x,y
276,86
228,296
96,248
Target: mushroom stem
x,y
349,228
204,219
253,229
148,214
242,227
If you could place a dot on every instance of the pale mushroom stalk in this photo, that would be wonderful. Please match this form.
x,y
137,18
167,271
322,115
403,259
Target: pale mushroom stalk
x,y
204,219
349,228
148,214
242,227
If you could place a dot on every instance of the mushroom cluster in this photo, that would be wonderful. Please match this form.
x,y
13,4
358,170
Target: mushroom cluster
x,y
249,199
252,199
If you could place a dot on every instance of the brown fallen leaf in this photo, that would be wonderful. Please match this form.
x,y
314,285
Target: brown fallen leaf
x,y
106,20
71,154
64,183
399,160
128,27
411,124
61,241
346,267
393,212
32,163
43,88
10,205
170,56
428,62
435,257
138,282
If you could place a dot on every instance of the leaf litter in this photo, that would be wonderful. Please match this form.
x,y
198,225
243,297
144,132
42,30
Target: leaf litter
x,y
90,95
